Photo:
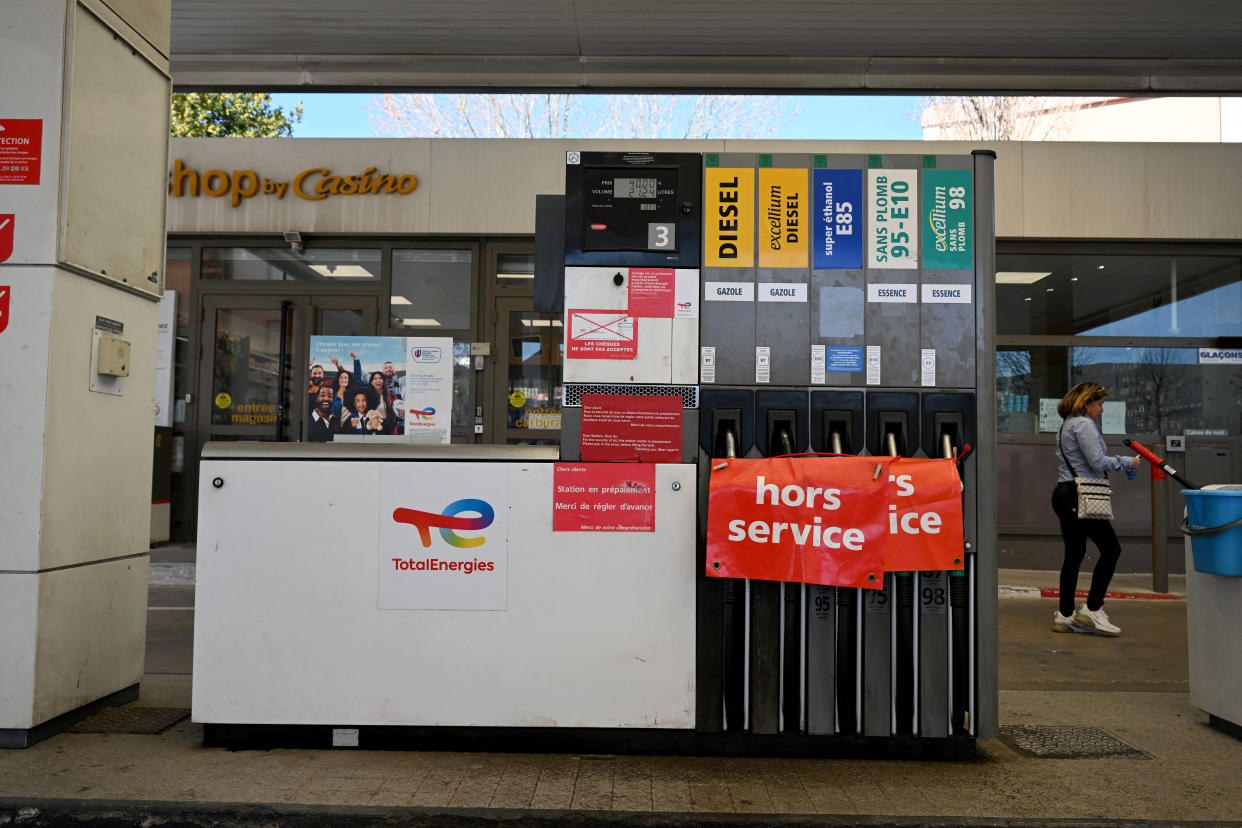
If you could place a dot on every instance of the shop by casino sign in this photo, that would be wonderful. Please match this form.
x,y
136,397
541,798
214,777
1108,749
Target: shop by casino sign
x,y
312,184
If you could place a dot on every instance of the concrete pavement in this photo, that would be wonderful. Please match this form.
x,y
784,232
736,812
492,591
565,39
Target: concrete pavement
x,y
1168,766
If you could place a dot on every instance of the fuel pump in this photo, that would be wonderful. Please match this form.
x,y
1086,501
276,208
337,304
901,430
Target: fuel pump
x,y
727,427
776,608
844,308
832,612
944,599
892,420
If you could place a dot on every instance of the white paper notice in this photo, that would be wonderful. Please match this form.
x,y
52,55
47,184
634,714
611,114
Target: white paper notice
x,y
165,345
763,363
1049,419
1113,418
707,363
927,367
819,364
428,389
685,294
873,365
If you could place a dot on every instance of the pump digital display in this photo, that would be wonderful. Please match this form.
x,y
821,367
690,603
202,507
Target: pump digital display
x,y
625,211
634,188
633,209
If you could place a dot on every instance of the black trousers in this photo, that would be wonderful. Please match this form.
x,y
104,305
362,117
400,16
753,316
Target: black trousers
x,y
1076,532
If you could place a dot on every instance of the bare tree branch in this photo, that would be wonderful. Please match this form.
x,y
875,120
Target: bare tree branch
x,y
580,116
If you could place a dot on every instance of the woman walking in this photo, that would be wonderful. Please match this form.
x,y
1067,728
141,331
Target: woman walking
x,y
1081,453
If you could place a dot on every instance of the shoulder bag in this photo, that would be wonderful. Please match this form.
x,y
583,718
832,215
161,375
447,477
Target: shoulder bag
x,y
1095,494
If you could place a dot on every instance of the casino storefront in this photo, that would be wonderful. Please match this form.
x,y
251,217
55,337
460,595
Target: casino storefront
x,y
271,241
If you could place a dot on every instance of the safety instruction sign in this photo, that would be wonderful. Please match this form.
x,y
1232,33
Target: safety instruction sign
x,y
603,497
837,207
948,210
629,428
729,225
783,228
21,147
651,291
893,228
601,334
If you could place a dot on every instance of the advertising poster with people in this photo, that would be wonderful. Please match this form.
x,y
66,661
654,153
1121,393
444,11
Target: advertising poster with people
x,y
356,388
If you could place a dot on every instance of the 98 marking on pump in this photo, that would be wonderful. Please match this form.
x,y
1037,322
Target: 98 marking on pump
x,y
933,594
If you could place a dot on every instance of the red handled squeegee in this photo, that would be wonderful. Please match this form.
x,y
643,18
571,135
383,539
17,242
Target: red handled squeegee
x,y
1150,456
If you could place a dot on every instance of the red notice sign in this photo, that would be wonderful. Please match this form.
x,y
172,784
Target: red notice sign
x,y
21,145
839,521
925,516
601,334
651,292
5,290
627,428
603,497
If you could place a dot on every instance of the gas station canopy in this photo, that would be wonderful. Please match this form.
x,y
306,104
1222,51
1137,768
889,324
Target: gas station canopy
x,y
878,46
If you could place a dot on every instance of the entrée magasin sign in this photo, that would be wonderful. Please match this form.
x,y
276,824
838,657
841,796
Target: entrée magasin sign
x,y
313,184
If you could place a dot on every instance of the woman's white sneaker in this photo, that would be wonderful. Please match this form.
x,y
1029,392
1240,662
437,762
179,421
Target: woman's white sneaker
x,y
1096,620
1065,624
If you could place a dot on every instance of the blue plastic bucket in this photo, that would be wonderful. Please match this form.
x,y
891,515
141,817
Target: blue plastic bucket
x,y
1219,552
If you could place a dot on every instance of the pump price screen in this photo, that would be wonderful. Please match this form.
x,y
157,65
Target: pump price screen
x,y
629,209
634,188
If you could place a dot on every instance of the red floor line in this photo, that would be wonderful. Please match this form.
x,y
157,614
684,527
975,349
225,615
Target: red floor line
x,y
1048,592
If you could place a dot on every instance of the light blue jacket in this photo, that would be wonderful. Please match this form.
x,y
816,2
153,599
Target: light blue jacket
x,y
1082,444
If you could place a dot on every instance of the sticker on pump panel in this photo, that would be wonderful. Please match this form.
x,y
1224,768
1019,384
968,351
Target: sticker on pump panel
x,y
883,292
893,227
947,205
601,334
782,292
730,227
728,291
782,222
837,210
946,294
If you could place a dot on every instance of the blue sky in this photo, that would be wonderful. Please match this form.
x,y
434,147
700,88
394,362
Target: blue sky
x,y
828,117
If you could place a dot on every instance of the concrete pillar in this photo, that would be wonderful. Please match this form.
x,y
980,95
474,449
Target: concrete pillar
x,y
84,111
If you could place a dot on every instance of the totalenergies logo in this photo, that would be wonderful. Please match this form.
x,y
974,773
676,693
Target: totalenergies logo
x,y
427,413
447,521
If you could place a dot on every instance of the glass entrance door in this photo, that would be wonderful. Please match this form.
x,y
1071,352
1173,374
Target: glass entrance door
x,y
248,354
529,390
253,358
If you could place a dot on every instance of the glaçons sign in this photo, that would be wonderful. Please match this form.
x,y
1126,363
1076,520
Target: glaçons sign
x,y
313,184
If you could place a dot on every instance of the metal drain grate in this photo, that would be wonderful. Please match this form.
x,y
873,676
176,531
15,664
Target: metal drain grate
x,y
1068,742
131,719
